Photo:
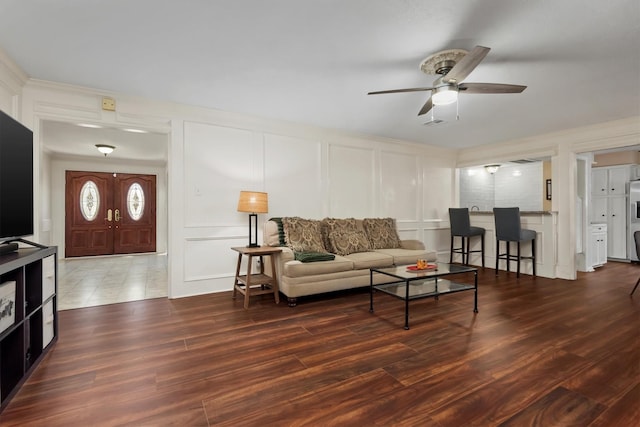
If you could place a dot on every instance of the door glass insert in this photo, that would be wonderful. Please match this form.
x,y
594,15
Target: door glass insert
x,y
89,200
135,201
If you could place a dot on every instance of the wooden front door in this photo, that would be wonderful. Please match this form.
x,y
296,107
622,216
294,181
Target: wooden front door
x,y
109,213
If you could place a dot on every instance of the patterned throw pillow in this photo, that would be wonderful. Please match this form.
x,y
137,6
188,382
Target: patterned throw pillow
x,y
347,236
382,233
281,238
303,235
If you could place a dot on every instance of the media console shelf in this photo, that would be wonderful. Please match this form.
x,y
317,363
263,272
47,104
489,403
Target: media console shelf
x,y
28,316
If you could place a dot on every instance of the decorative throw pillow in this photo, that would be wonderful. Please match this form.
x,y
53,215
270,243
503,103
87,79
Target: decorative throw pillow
x,y
324,229
382,233
347,236
281,238
303,235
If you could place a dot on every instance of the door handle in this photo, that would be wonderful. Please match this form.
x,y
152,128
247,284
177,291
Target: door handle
x,y
117,215
109,215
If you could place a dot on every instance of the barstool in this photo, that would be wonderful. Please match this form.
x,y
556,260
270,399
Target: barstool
x,y
509,229
461,227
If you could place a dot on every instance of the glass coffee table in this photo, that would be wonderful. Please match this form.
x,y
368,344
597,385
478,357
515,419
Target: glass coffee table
x,y
416,284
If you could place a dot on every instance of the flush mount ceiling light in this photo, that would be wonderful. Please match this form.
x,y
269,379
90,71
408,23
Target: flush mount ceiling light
x,y
492,168
105,149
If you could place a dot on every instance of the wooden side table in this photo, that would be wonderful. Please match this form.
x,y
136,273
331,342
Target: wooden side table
x,y
256,283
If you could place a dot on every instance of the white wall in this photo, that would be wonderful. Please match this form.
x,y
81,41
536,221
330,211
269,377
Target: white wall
x,y
307,171
477,189
519,185
512,185
313,174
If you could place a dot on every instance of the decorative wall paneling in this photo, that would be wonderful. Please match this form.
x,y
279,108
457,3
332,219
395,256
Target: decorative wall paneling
x,y
307,177
294,176
221,162
436,163
352,181
546,230
210,258
400,182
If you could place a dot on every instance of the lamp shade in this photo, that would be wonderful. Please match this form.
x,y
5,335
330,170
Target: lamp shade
x,y
253,202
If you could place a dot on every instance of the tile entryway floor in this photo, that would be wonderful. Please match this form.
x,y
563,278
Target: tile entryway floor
x,y
87,282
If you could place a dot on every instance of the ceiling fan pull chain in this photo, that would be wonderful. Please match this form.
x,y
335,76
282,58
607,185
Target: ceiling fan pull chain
x,y
458,110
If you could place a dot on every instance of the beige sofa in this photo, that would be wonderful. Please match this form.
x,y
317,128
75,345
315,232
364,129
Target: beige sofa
x,y
357,246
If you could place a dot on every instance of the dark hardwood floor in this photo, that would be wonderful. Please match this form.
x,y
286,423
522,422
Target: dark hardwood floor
x,y
539,352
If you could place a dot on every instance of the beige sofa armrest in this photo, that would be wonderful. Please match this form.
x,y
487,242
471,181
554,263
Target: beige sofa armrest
x,y
412,244
280,259
285,255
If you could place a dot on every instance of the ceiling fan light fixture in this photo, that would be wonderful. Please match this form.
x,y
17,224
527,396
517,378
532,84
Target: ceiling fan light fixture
x,y
444,95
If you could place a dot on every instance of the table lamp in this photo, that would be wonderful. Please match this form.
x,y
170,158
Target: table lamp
x,y
253,202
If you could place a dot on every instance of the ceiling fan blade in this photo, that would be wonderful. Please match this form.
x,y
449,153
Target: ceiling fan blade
x,y
466,65
426,107
415,89
490,88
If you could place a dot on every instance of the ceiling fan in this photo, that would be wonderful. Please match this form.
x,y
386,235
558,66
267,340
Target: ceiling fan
x,y
453,66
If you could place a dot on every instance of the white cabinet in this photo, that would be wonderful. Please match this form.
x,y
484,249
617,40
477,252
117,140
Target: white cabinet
x,y
612,211
599,181
609,206
600,210
617,227
618,178
598,243
609,181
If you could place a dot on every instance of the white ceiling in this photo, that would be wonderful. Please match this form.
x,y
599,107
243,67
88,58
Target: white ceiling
x,y
313,61
71,140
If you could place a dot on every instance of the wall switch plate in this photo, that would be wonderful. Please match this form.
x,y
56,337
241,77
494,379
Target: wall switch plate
x,y
108,104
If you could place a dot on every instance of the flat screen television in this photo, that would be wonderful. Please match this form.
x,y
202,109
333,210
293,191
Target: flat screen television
x,y
16,179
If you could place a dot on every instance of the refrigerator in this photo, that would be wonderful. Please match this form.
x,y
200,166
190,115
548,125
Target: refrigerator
x,y
633,218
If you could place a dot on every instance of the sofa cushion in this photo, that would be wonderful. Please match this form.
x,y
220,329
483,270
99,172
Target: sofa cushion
x,y
301,269
408,256
346,236
381,232
303,235
363,260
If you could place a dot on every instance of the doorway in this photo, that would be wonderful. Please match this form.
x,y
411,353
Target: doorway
x,y
109,213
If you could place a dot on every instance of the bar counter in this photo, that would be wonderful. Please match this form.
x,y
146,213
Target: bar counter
x,y
544,223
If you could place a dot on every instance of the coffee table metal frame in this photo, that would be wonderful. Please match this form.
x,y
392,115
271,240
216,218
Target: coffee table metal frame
x,y
411,285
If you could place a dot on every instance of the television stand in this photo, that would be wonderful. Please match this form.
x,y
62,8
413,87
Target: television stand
x,y
29,325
